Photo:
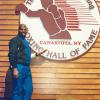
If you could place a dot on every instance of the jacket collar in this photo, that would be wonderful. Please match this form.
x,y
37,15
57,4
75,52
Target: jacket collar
x,y
21,35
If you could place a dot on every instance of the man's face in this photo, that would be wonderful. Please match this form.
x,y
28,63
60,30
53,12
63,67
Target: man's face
x,y
23,29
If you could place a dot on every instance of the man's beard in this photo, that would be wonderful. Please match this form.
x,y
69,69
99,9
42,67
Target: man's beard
x,y
21,35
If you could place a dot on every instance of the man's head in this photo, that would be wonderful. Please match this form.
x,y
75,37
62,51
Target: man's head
x,y
46,3
23,29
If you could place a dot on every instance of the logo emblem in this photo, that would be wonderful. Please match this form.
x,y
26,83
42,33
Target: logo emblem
x,y
66,28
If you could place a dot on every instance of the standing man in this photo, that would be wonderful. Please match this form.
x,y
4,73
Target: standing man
x,y
19,57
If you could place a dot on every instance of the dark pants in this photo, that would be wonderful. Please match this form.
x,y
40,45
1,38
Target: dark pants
x,y
23,84
8,85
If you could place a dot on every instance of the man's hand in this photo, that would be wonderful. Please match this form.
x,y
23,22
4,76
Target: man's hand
x,y
15,72
37,54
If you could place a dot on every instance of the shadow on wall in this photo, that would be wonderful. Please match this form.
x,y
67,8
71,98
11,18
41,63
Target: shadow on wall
x,y
8,85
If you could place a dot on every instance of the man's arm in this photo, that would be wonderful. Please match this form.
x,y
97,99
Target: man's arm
x,y
37,53
12,53
13,57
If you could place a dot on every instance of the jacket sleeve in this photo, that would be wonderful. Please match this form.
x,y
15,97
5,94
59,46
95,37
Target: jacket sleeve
x,y
13,53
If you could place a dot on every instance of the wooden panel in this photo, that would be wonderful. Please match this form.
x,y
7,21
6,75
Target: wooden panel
x,y
59,70
4,59
98,39
57,91
82,60
63,76
61,65
8,22
66,65
62,86
10,2
62,81
95,50
3,12
3,53
3,27
4,64
6,37
8,33
65,81
87,60
7,17
67,96
4,43
12,7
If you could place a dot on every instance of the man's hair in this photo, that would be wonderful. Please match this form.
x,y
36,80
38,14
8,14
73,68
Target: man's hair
x,y
22,25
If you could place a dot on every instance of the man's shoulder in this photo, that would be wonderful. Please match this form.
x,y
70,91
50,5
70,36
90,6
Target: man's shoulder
x,y
14,39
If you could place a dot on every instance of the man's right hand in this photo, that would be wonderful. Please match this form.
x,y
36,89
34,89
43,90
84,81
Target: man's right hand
x,y
15,72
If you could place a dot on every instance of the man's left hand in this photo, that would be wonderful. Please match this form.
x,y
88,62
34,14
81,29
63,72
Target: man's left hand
x,y
37,54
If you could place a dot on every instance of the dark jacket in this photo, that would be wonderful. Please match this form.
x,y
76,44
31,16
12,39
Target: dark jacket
x,y
17,52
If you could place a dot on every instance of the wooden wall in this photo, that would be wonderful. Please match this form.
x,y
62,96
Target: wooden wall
x,y
79,78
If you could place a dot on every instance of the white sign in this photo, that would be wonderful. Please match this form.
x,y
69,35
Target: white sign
x,y
66,28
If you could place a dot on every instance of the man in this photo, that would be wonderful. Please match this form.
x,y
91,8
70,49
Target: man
x,y
19,57
52,18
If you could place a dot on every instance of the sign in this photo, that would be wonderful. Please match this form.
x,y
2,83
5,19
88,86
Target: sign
x,y
66,28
